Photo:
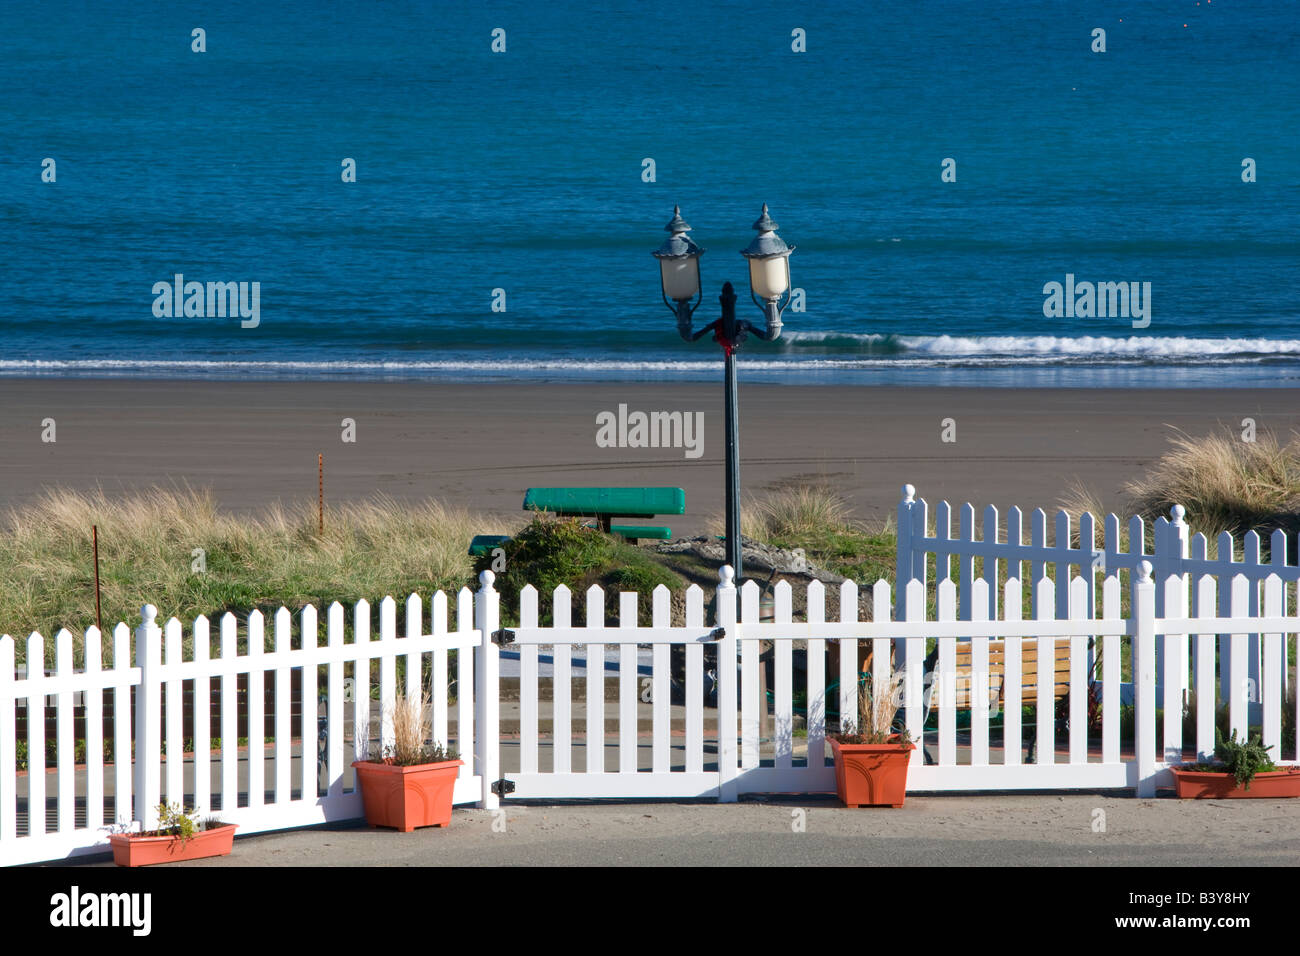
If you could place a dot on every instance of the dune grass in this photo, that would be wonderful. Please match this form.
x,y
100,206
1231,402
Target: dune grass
x,y
819,520
173,548
1225,483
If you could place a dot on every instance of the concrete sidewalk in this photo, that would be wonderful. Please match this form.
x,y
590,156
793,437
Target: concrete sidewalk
x,y
967,830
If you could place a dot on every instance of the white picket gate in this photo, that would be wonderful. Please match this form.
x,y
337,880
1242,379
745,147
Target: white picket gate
x,y
719,755
1001,547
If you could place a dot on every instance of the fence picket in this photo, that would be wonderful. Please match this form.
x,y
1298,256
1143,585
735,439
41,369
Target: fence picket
x,y
148,722
334,704
414,661
628,691
284,709
562,685
35,738
942,542
783,684
256,710
979,666
202,718
1172,733
1110,674
914,686
175,716
882,651
387,672
466,724
848,666
1061,568
65,755
123,772
694,683
1205,685
1012,610
1037,541
528,679
438,687
595,684
943,691
94,697
1144,679
1016,538
1080,703
229,716
310,785
992,564
814,710
749,696
1045,703
966,559
661,687
360,681
8,742
1239,690
1271,685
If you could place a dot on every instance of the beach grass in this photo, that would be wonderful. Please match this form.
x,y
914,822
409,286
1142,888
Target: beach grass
x,y
817,519
1224,482
173,548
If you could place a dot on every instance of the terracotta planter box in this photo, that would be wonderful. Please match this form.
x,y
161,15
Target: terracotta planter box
x,y
1202,784
871,775
407,797
132,849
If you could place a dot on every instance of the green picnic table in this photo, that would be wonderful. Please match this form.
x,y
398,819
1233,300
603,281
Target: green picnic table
x,y
606,504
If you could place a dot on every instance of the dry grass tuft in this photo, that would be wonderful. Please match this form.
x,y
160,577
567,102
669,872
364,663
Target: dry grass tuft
x,y
174,548
799,513
1225,484
878,705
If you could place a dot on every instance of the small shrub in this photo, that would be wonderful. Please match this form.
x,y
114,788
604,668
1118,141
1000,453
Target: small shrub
x,y
552,551
1242,759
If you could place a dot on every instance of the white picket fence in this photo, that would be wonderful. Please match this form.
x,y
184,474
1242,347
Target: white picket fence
x,y
719,755
1001,547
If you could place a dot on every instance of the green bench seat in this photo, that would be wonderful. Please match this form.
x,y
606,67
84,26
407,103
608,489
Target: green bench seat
x,y
633,532
484,543
606,504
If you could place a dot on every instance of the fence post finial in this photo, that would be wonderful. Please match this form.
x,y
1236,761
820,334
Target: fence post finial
x,y
909,494
485,580
149,613
726,576
1144,571
1178,512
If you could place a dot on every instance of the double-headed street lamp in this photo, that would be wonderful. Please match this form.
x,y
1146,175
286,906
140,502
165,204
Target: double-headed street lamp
x,y
769,280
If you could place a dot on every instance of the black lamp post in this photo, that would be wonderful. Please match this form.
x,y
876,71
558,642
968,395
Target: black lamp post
x,y
769,280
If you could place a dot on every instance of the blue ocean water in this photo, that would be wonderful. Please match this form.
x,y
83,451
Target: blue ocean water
x,y
522,171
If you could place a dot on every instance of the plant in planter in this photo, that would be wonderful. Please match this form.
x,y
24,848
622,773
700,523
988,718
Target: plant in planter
x,y
871,758
412,785
1238,765
180,836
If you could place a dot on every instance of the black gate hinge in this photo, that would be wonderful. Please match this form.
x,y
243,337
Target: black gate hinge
x,y
503,786
503,636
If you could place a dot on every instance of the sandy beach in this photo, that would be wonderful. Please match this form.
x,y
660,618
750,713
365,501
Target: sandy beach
x,y
481,445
